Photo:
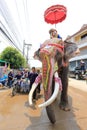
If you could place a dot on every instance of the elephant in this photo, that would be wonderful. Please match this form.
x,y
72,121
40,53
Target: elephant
x,y
54,55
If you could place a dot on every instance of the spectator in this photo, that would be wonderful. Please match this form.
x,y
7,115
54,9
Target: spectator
x,y
3,79
25,73
32,76
25,83
38,87
18,75
10,78
82,65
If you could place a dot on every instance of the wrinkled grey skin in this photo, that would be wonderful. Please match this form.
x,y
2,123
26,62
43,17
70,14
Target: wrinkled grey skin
x,y
70,50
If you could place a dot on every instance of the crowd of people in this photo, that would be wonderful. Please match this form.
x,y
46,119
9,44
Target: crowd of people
x,y
24,79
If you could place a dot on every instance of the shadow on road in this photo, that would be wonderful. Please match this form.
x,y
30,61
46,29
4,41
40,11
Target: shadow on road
x,y
64,120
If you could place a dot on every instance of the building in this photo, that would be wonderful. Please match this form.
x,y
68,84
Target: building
x,y
80,38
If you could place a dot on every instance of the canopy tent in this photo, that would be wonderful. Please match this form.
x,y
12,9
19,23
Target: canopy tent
x,y
3,61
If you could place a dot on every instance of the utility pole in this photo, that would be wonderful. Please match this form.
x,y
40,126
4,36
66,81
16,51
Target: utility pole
x,y
27,53
28,48
23,47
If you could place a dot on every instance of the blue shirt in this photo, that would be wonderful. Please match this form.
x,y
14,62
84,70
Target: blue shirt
x,y
4,77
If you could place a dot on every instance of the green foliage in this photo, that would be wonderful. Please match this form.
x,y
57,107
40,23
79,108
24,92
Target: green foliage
x,y
13,56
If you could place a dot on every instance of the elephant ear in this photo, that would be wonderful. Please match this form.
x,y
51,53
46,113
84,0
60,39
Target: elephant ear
x,y
36,54
70,49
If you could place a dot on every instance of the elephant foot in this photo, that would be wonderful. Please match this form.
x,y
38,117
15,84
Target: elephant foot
x,y
64,106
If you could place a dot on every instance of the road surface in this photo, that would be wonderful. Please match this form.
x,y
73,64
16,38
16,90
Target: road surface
x,y
15,113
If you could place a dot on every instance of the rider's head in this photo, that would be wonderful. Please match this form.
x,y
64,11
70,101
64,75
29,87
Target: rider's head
x,y
53,33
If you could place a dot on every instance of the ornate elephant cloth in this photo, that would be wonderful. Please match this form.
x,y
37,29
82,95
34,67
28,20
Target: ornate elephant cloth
x,y
53,40
51,46
39,80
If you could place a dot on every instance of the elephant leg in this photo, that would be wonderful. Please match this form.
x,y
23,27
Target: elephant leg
x,y
64,105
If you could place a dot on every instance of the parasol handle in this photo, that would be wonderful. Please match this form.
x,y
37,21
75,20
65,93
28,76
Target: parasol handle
x,y
55,18
55,25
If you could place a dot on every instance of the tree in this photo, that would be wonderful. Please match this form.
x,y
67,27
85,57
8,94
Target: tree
x,y
14,57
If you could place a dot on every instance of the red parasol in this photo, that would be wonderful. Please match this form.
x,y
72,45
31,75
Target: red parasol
x,y
55,14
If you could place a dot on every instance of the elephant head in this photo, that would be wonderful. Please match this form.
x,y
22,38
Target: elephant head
x,y
52,51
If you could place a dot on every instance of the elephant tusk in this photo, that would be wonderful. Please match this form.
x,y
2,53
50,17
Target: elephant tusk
x,y
54,95
30,96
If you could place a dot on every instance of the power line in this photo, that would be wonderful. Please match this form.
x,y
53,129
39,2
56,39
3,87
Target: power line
x,y
9,21
4,33
19,16
8,36
26,16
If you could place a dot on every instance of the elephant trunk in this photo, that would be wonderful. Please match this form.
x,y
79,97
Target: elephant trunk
x,y
47,75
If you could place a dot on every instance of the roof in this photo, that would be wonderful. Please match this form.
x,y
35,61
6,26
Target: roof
x,y
84,27
82,45
78,58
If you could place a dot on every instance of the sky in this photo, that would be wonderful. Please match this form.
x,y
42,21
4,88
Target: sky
x,y
28,17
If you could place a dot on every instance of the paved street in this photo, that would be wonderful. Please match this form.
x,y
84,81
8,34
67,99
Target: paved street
x,y
80,84
15,113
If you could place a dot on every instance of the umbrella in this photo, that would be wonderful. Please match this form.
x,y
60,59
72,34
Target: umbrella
x,y
55,14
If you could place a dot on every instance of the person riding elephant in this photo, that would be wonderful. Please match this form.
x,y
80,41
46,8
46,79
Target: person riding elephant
x,y
59,51
54,38
53,33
